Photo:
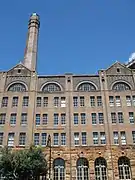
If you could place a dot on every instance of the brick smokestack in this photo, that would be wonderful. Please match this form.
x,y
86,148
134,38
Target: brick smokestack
x,y
30,56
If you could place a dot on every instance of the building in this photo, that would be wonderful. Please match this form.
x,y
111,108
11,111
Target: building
x,y
90,118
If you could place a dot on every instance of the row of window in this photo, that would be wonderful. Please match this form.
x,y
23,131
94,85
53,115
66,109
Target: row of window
x,y
77,101
15,100
59,139
100,167
54,87
13,118
116,101
96,118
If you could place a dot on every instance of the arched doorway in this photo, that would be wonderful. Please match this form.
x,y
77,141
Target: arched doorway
x,y
82,167
124,168
100,169
59,169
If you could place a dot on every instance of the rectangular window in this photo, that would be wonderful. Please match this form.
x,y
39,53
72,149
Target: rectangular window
x,y
92,101
123,137
11,139
83,118
84,138
120,117
133,100
44,119
102,138
56,119
63,139
36,139
22,139
101,118
13,119
118,101
82,103
44,139
111,101
128,100
25,101
94,118
131,118
45,101
2,118
113,118
75,118
56,101
4,102
76,138
115,137
37,119
63,118
95,138
55,139
75,101
63,102
24,119
1,138
15,102
99,100
133,136
39,101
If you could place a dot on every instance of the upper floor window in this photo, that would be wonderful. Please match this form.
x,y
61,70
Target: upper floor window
x,y
51,87
4,102
17,87
121,86
86,87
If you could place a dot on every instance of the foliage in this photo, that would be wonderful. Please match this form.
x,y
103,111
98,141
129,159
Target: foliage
x,y
22,164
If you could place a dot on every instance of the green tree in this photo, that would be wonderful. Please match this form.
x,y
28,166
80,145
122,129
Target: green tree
x,y
22,164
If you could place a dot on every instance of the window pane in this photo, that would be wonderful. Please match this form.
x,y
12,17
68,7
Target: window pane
x,y
22,139
63,119
4,102
25,101
15,102
99,101
56,119
92,101
75,118
83,118
75,101
2,118
39,101
24,119
13,119
37,119
101,118
94,118
56,139
63,138
82,101
45,119
36,139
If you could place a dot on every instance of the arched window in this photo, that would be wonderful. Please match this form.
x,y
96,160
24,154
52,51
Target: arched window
x,y
121,86
82,169
17,87
51,87
59,169
124,168
86,87
100,169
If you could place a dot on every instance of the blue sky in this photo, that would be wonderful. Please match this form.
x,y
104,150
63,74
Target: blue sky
x,y
78,36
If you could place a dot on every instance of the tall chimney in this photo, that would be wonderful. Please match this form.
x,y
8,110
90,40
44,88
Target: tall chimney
x,y
30,56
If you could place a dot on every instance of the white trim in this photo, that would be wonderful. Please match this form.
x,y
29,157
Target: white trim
x,y
17,82
119,81
83,82
50,82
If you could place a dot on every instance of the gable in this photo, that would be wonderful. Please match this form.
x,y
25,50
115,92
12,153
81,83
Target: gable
x,y
19,70
118,69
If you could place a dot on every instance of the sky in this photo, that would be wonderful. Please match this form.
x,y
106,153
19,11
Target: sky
x,y
76,36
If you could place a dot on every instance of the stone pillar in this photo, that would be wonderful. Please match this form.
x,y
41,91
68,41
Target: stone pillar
x,y
30,57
